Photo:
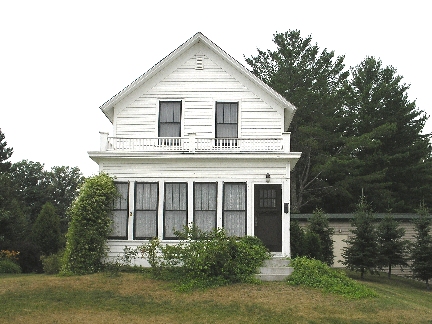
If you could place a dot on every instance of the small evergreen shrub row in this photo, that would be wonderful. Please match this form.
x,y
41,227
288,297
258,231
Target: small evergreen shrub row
x,y
316,274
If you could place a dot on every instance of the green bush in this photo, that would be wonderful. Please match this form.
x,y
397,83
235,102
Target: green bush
x,y
8,266
46,230
316,274
52,263
90,226
29,257
203,259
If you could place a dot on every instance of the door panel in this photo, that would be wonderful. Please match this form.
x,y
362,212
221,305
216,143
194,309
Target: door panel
x,y
268,215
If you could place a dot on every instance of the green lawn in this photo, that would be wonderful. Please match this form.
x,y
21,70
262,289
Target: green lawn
x,y
136,298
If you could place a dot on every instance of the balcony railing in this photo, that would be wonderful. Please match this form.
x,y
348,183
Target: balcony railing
x,y
193,144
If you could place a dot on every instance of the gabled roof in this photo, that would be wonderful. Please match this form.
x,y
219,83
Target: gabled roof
x,y
108,107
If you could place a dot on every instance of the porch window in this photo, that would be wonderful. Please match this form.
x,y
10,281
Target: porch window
x,y
234,209
119,215
170,119
175,208
146,208
226,123
205,205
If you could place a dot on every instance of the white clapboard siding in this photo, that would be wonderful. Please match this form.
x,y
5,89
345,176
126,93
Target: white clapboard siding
x,y
198,90
204,169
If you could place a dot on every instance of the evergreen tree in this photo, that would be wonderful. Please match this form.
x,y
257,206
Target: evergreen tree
x,y
421,253
13,221
312,246
46,230
319,225
361,252
5,154
314,81
392,247
297,240
386,153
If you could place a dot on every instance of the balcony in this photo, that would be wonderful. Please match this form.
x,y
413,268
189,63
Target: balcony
x,y
194,144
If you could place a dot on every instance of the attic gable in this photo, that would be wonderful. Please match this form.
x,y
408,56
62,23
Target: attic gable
x,y
108,107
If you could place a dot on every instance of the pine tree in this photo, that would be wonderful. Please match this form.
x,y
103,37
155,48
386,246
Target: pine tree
x,y
319,225
361,252
314,81
387,154
392,247
421,253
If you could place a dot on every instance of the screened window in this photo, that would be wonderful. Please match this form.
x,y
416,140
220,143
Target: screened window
x,y
175,208
146,203
234,209
205,205
119,214
170,119
226,119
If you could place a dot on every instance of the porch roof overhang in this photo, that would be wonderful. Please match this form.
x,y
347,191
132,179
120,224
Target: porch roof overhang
x,y
99,156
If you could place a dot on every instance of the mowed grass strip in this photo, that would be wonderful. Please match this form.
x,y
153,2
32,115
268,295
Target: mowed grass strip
x,y
136,298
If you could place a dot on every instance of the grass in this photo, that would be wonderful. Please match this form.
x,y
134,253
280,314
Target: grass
x,y
136,298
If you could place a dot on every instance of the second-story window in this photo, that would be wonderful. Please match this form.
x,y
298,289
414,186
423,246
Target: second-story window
x,y
170,119
226,120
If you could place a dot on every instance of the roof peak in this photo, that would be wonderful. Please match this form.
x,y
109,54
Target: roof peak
x,y
108,106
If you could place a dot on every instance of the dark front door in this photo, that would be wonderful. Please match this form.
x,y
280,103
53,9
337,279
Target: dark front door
x,y
268,215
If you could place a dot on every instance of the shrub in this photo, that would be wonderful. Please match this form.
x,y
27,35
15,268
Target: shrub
x,y
52,263
203,259
316,274
29,257
8,266
90,226
10,255
297,239
319,225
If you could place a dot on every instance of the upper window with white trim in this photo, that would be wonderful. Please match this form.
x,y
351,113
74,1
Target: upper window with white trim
x,y
226,119
170,118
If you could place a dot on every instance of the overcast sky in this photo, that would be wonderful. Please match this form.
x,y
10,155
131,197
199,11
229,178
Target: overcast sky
x,y
61,60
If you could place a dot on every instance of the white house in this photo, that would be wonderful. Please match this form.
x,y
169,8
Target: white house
x,y
198,138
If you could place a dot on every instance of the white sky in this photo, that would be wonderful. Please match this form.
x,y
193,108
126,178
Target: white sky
x,y
61,60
